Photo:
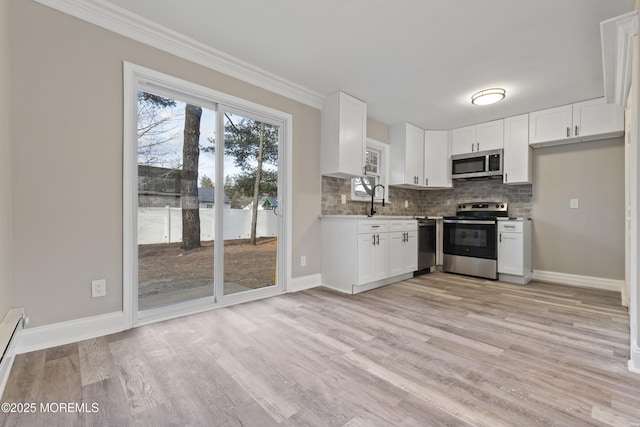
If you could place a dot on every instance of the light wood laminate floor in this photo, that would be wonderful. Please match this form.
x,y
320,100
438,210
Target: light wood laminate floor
x,y
434,350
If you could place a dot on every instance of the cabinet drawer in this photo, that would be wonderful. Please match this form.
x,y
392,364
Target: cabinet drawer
x,y
411,225
510,226
372,226
403,225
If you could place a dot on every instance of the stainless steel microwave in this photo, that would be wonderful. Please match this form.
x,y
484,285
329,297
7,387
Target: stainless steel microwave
x,y
480,164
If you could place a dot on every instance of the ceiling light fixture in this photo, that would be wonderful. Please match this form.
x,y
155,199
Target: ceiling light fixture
x,y
488,96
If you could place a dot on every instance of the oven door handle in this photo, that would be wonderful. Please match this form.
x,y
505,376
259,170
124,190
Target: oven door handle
x,y
468,221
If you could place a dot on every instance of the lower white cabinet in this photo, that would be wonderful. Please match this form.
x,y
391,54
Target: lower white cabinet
x,y
514,251
403,247
373,253
359,253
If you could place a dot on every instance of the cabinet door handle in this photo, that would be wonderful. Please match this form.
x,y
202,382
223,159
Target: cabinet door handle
x,y
506,177
500,238
576,130
426,181
374,239
472,144
477,146
568,131
377,239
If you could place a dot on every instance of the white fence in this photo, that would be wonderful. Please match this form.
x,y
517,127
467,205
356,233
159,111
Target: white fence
x,y
164,225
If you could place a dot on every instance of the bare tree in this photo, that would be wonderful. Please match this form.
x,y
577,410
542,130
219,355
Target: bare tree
x,y
158,124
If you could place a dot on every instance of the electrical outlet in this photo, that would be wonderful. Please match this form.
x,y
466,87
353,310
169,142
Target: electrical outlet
x,y
406,203
98,288
574,204
343,199
303,261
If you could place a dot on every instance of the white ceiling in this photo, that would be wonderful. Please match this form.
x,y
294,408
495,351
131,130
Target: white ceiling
x,y
410,60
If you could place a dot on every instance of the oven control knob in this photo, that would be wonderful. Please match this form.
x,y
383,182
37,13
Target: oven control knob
x,y
502,206
497,206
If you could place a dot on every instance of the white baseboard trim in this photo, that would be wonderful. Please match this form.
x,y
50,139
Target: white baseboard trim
x,y
10,329
634,360
305,282
48,336
7,362
577,280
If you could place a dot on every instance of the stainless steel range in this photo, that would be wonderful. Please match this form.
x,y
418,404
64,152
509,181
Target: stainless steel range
x,y
470,239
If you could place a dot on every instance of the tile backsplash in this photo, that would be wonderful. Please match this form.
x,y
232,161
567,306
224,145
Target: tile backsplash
x,y
428,202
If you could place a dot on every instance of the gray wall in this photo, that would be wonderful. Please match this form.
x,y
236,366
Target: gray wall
x,y
5,163
587,241
67,101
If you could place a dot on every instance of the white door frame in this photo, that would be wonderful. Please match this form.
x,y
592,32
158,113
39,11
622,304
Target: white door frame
x,y
137,77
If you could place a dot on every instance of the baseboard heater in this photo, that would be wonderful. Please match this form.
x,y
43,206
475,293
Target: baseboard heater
x,y
10,327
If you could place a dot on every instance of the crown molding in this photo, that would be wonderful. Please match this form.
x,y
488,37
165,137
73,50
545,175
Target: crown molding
x,y
135,27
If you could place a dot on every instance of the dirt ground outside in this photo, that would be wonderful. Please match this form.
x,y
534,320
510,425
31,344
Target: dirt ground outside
x,y
167,273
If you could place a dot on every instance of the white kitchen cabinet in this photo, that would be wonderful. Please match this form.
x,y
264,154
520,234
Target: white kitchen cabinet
x,y
463,140
582,121
514,251
343,136
517,161
552,124
480,137
407,154
490,135
357,252
403,246
595,119
437,159
373,251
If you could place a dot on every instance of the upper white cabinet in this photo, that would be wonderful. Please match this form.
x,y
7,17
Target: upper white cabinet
x,y
419,159
552,124
582,121
517,152
481,137
596,119
463,140
437,159
407,154
343,136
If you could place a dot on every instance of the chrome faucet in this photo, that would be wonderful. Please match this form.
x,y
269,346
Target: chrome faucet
x,y
373,193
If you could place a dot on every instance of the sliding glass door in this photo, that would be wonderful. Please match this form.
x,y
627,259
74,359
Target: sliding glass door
x,y
208,206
